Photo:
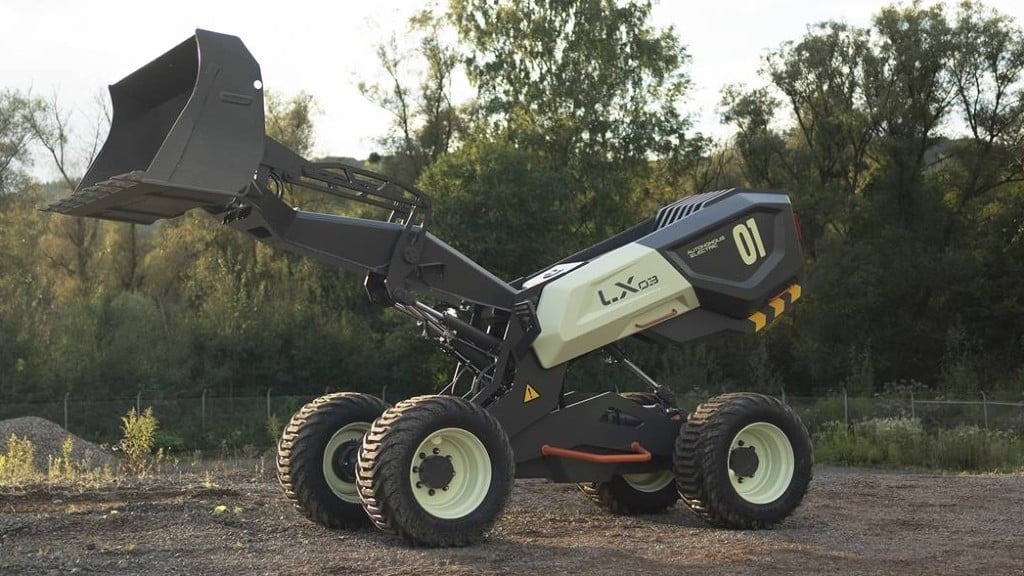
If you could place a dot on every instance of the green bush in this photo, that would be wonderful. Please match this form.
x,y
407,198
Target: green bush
x,y
169,441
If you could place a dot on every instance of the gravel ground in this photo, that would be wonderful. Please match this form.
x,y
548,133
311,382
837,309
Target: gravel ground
x,y
852,522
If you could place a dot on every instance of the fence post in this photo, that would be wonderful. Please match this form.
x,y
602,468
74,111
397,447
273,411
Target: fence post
x,y
984,407
913,414
202,413
846,408
268,403
783,390
138,403
384,393
66,394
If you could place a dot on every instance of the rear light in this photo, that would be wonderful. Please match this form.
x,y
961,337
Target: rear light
x,y
799,228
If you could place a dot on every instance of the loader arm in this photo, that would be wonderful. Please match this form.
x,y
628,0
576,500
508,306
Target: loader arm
x,y
188,132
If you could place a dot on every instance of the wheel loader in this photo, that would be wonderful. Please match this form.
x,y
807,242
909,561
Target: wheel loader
x,y
436,470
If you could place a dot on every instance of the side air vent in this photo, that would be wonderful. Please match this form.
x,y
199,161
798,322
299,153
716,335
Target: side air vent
x,y
686,207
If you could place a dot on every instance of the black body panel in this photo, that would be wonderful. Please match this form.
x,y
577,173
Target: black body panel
x,y
739,251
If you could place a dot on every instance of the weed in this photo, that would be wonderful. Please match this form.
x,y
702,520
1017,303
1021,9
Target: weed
x,y
274,428
18,464
137,443
62,468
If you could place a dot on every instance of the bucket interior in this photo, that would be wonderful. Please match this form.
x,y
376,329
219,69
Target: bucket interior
x,y
146,105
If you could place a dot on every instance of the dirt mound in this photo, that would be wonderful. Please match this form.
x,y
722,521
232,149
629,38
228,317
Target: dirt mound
x,y
48,437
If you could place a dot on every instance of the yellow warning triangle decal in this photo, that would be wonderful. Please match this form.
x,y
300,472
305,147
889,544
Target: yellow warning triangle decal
x,y
531,394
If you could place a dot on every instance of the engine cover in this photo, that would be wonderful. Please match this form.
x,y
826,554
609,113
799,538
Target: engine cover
x,y
725,260
623,292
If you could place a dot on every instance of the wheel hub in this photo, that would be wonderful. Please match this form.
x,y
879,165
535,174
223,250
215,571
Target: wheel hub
x,y
744,461
436,472
343,461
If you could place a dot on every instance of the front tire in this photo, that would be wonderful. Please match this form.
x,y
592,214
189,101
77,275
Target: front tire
x,y
316,457
436,471
743,461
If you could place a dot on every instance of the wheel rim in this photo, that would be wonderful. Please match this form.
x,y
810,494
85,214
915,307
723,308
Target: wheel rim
x,y
760,463
450,473
342,448
649,481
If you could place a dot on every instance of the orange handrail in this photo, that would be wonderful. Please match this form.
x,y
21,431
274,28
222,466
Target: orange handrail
x,y
658,320
640,455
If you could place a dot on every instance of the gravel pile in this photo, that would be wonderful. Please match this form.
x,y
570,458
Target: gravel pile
x,y
48,437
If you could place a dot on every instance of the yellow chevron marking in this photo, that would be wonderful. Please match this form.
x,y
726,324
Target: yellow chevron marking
x,y
778,306
759,320
794,293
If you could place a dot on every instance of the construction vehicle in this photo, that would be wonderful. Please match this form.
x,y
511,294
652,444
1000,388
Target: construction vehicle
x,y
188,132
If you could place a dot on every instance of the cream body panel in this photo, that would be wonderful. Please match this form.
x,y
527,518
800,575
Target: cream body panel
x,y
598,304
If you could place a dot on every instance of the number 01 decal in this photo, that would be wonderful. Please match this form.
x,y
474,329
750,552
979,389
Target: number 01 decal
x,y
748,241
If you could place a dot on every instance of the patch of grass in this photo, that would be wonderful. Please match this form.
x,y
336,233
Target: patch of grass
x,y
974,448
903,442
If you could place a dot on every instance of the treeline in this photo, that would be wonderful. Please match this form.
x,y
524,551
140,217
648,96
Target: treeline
x,y
901,144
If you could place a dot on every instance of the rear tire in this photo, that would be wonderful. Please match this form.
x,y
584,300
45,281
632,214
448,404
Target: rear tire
x,y
743,461
633,494
436,471
316,457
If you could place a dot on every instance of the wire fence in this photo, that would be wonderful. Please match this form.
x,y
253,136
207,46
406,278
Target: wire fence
x,y
208,421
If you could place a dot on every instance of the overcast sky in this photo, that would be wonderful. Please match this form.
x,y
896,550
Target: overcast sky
x,y
76,48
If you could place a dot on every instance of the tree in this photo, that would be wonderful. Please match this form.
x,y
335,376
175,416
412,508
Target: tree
x,y
426,122
902,155
590,84
16,135
290,120
502,206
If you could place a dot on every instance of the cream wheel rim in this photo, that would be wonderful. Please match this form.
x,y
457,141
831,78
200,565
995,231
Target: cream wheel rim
x,y
450,473
760,463
342,488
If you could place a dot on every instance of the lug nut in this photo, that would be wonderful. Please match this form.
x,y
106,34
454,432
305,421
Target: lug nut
x,y
415,469
419,484
422,455
430,492
436,451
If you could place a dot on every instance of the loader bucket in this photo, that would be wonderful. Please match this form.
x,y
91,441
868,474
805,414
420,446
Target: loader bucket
x,y
187,131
